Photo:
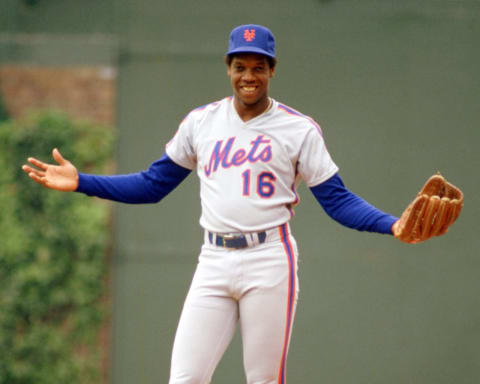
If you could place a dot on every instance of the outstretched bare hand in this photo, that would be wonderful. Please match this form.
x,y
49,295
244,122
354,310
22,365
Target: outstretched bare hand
x,y
62,177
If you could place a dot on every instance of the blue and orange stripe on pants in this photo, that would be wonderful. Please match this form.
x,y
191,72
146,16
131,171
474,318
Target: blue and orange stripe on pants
x,y
287,245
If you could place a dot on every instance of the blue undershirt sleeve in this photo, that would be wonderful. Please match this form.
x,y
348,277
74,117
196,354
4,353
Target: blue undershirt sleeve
x,y
149,186
349,209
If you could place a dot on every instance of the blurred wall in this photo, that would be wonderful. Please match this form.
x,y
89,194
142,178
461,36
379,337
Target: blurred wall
x,y
395,87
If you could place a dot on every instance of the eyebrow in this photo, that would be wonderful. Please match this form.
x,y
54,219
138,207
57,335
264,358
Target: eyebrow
x,y
242,62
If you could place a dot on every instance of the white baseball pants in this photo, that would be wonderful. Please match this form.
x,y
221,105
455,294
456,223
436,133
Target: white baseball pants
x,y
256,286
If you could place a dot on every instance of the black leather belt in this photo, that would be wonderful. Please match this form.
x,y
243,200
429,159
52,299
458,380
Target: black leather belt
x,y
236,241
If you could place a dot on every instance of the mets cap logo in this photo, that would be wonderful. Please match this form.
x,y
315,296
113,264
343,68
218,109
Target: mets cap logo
x,y
249,35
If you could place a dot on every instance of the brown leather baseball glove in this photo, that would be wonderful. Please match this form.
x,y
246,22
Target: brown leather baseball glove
x,y
433,211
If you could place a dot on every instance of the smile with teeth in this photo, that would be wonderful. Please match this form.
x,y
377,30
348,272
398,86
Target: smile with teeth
x,y
248,88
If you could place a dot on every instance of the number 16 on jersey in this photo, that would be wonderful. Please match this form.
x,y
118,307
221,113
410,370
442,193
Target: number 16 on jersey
x,y
264,185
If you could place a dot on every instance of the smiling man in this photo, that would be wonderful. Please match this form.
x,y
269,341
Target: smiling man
x,y
250,152
250,75
250,65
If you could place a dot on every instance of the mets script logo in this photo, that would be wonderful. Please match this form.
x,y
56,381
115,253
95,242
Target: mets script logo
x,y
222,154
249,35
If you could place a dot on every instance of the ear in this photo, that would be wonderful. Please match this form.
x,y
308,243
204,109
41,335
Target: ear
x,y
272,72
229,71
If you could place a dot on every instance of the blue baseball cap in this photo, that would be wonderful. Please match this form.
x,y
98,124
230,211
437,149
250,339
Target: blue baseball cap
x,y
252,38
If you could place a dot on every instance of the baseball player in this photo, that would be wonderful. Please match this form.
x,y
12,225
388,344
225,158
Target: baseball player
x,y
250,152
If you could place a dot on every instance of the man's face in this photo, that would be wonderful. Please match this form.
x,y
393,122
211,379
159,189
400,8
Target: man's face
x,y
250,76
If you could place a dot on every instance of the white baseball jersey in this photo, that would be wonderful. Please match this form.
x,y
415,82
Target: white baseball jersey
x,y
249,170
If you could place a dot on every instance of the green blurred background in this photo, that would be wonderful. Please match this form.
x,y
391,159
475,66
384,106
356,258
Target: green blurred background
x,y
395,86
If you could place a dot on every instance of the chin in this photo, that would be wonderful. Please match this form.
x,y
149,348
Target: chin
x,y
249,101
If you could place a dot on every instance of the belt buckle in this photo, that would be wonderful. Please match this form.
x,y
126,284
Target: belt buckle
x,y
228,237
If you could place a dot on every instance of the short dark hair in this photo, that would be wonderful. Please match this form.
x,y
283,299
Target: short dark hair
x,y
271,60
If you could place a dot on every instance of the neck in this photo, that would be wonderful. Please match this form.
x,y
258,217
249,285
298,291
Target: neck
x,y
250,111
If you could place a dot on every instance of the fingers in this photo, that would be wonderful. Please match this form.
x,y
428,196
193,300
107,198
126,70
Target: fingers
x,y
447,213
440,217
430,212
435,209
37,177
58,157
458,208
43,166
453,211
33,171
38,163
408,226
419,216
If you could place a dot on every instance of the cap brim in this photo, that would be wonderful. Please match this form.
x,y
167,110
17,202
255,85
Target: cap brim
x,y
250,50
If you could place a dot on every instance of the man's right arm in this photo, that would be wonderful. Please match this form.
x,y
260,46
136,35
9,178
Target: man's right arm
x,y
149,186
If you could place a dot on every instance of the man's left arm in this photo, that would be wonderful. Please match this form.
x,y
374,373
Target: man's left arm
x,y
349,209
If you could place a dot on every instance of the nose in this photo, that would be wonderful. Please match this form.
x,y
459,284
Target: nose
x,y
248,76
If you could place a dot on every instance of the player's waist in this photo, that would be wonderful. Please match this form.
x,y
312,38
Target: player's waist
x,y
239,240
241,219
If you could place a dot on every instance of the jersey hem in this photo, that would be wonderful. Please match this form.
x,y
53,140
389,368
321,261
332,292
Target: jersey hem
x,y
239,231
178,162
324,178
